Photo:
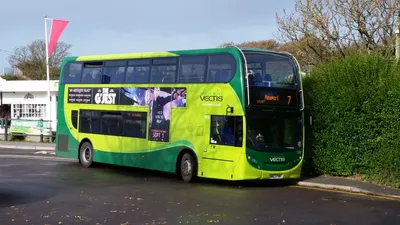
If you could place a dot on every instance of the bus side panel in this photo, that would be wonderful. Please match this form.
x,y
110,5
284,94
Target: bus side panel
x,y
161,158
66,143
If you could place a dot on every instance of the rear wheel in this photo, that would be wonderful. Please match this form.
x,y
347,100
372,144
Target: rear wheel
x,y
86,155
188,168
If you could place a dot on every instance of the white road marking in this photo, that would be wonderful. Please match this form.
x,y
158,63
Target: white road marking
x,y
46,152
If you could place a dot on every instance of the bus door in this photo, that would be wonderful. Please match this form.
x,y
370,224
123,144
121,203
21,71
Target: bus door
x,y
224,146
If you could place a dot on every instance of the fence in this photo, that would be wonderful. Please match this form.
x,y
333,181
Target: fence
x,y
20,129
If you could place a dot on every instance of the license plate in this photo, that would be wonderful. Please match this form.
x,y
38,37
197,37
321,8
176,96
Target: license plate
x,y
275,176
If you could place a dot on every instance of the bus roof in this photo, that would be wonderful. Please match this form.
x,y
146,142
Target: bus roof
x,y
166,53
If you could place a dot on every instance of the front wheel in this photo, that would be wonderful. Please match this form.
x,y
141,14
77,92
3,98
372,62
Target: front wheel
x,y
188,168
86,155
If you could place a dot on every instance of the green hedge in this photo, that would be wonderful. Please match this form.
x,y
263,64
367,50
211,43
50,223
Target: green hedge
x,y
355,103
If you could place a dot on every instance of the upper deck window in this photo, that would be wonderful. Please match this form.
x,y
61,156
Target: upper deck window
x,y
138,71
268,70
72,73
92,73
221,69
163,70
192,69
114,72
202,68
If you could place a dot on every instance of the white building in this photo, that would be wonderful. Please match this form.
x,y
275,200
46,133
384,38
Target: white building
x,y
28,99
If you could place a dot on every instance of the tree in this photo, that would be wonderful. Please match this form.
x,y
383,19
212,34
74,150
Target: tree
x,y
263,44
31,59
294,48
337,28
13,77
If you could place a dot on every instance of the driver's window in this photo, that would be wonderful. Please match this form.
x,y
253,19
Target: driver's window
x,y
227,130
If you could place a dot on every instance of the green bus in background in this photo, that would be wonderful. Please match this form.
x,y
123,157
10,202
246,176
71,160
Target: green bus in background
x,y
223,113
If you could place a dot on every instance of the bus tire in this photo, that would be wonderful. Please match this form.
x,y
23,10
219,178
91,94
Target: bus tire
x,y
188,167
86,154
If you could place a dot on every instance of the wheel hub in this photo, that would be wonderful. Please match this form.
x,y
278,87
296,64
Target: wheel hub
x,y
86,153
186,168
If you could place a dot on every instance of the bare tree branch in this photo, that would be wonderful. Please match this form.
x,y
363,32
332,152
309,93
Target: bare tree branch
x,y
31,59
341,26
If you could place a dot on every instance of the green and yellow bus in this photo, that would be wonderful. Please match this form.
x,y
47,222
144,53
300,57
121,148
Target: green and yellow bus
x,y
223,113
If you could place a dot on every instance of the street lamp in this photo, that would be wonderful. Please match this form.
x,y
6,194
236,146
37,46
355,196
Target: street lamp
x,y
4,59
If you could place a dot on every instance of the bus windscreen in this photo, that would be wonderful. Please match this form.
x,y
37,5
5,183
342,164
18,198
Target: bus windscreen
x,y
276,133
269,70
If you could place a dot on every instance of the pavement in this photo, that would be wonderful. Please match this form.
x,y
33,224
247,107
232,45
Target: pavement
x,y
323,182
27,145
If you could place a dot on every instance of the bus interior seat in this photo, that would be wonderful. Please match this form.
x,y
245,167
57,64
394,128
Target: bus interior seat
x,y
228,135
138,77
106,79
210,77
135,130
87,78
119,76
224,76
194,79
267,77
251,79
95,126
158,76
168,79
258,79
217,76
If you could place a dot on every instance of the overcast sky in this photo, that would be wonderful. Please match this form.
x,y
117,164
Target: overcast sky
x,y
101,27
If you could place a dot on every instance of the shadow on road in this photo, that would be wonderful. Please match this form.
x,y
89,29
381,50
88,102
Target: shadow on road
x,y
19,193
138,173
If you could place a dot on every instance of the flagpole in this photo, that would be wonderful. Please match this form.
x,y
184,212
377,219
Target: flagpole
x,y
47,72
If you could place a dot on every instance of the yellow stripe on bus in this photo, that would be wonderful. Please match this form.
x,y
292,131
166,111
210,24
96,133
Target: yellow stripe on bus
x,y
126,56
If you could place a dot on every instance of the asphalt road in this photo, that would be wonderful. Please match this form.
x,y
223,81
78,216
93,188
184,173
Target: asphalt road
x,y
52,191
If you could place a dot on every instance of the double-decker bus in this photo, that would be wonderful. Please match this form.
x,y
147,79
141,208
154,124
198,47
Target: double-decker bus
x,y
223,113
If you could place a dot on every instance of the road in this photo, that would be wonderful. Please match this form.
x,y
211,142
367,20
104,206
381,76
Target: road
x,y
52,191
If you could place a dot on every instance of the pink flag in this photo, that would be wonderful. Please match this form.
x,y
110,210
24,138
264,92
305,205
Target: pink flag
x,y
57,27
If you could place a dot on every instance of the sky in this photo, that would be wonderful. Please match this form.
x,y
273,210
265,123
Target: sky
x,y
121,26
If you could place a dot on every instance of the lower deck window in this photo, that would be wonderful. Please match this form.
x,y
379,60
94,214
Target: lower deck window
x,y
128,124
134,125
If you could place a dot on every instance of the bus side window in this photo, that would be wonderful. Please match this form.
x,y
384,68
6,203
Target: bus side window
x,y
74,118
114,75
111,123
221,68
135,124
92,75
138,75
90,122
163,70
192,69
226,130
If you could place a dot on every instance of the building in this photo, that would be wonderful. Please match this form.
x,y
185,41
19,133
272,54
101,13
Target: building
x,y
10,71
27,100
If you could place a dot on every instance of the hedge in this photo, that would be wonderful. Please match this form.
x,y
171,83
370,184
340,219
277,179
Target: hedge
x,y
355,104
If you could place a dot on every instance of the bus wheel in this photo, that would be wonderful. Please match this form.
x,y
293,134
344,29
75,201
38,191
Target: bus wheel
x,y
188,167
86,154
